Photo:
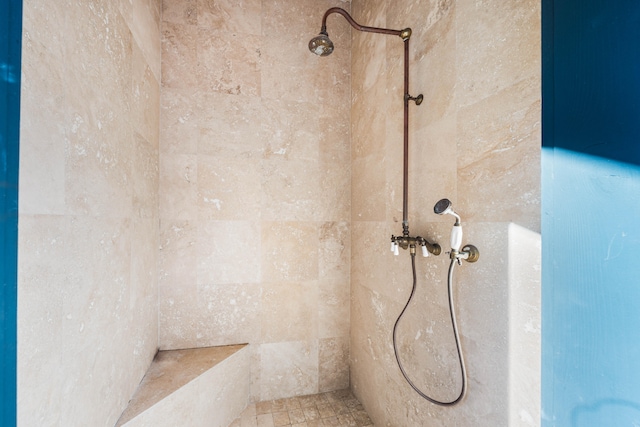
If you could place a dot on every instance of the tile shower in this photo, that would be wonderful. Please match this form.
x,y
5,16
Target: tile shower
x,y
270,180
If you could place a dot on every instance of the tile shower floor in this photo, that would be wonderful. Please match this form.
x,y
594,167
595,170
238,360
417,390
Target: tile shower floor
x,y
336,409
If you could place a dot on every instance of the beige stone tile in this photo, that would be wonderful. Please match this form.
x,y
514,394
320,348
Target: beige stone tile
x,y
227,252
256,373
98,177
340,408
291,190
307,401
42,124
279,405
145,98
41,24
177,324
98,172
289,251
265,420
179,121
228,314
499,142
369,61
95,299
289,312
101,264
335,185
230,126
429,162
290,27
340,395
361,418
145,164
326,411
333,308
434,60
98,81
144,264
373,264
42,246
495,50
370,125
331,422
227,63
178,251
182,12
321,398
292,131
297,416
368,189
179,55
289,369
178,186
346,420
281,419
311,413
334,251
228,189
263,407
177,285
231,17
373,314
292,403
333,371
145,28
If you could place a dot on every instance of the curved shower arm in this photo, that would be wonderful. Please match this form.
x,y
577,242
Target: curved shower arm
x,y
403,34
322,45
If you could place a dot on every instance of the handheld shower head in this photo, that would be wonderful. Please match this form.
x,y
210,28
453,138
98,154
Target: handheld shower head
x,y
443,207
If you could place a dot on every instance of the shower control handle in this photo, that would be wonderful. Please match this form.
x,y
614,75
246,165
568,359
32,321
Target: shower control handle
x,y
409,242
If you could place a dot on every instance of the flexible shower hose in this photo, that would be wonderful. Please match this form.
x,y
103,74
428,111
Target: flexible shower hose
x,y
455,333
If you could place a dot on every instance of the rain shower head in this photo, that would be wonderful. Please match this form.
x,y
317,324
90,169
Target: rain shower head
x,y
321,45
444,207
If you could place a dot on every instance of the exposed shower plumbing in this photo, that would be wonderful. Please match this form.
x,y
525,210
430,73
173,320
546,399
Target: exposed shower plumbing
x,y
323,46
469,253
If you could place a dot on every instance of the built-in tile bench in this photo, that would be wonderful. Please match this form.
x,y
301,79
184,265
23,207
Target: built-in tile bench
x,y
193,387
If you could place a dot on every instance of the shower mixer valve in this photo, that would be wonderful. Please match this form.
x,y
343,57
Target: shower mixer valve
x,y
408,242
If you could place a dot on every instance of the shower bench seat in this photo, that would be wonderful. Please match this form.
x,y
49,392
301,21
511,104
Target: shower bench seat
x,y
195,387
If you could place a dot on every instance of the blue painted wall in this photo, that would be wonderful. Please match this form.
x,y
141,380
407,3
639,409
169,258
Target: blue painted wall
x,y
591,213
10,52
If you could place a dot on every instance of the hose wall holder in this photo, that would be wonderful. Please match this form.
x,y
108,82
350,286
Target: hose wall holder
x,y
468,253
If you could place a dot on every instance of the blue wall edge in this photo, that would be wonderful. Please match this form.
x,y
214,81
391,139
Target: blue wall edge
x,y
10,61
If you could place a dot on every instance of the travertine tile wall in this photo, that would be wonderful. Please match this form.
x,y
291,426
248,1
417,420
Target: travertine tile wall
x,y
88,226
255,189
475,140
